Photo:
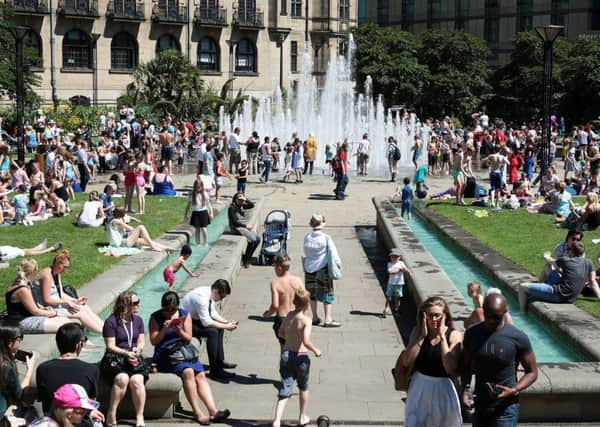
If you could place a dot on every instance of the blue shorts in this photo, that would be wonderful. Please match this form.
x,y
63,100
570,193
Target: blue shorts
x,y
393,290
496,181
406,207
293,366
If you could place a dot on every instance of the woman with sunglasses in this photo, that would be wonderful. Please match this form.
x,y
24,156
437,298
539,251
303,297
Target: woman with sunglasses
x,y
54,297
432,355
123,334
11,388
172,325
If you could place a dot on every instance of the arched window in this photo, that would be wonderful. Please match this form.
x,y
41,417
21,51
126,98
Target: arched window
x,y
77,50
123,52
208,55
166,42
33,49
245,58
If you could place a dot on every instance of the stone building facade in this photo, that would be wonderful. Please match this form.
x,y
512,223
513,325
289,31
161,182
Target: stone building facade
x,y
89,48
496,21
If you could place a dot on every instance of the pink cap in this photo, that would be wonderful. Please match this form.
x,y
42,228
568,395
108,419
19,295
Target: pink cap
x,y
73,396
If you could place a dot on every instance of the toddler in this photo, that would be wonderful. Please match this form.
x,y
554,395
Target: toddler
x,y
241,174
179,262
395,285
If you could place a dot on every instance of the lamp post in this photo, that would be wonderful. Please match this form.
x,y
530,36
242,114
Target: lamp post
x,y
232,45
548,34
19,33
95,37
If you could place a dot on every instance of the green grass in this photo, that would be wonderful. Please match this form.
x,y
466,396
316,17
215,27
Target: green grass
x,y
519,236
162,213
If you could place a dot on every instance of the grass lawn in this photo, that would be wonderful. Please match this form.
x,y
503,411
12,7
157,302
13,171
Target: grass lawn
x,y
519,236
162,213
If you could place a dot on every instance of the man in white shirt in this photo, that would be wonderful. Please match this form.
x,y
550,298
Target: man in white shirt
x,y
208,323
235,154
362,155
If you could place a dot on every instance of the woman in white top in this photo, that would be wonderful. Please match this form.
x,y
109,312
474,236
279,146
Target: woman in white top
x,y
202,211
92,213
122,234
317,279
267,157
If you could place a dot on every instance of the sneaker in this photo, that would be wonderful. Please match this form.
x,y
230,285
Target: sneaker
x,y
386,312
57,246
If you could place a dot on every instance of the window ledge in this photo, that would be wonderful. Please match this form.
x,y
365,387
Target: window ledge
x,y
297,17
246,74
121,71
76,70
210,73
36,69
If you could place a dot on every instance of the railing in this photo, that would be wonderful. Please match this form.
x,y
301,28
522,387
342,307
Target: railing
x,y
29,6
174,14
125,9
78,8
211,16
249,18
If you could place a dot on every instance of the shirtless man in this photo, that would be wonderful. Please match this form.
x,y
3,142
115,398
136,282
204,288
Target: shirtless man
x,y
165,138
458,173
416,149
295,363
283,289
496,163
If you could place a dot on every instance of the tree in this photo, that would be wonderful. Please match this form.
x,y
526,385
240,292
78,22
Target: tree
x,y
458,73
390,58
212,102
8,63
519,85
580,74
168,83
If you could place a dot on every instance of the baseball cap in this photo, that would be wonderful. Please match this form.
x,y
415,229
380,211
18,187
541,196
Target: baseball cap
x,y
73,396
395,252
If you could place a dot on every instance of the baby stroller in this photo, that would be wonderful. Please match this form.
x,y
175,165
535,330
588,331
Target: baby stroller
x,y
275,236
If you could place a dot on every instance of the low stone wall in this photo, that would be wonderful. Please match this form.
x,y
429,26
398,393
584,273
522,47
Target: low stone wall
x,y
565,392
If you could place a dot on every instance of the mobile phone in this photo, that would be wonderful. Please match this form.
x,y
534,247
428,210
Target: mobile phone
x,y
22,355
177,322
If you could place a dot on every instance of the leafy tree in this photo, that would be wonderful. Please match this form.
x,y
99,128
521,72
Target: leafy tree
x,y
390,58
212,101
458,73
519,85
8,64
168,83
580,74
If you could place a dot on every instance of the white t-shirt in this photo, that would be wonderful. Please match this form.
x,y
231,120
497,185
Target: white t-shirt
x,y
396,278
89,213
201,307
234,141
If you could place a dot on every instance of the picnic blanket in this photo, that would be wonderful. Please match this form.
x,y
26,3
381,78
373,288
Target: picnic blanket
x,y
118,251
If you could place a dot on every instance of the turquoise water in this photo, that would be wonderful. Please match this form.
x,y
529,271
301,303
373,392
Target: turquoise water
x,y
151,287
547,345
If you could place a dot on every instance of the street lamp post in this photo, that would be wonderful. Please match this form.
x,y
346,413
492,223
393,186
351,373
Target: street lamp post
x,y
548,34
95,37
19,33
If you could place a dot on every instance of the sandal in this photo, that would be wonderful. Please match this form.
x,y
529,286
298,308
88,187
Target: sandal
x,y
220,416
203,423
316,322
332,324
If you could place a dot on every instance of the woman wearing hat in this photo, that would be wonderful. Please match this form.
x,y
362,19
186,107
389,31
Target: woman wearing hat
x,y
316,272
69,406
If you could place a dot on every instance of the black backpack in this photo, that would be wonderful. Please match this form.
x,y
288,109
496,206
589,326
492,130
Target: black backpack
x,y
396,155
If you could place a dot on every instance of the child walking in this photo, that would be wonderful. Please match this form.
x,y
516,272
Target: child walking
x,y
202,211
179,262
329,159
395,285
407,198
241,174
294,362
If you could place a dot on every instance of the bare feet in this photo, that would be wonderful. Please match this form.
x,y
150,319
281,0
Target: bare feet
x,y
304,421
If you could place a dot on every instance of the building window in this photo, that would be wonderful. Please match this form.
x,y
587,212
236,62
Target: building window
x,y
77,50
383,12
167,42
559,12
491,28
283,10
123,52
408,15
524,15
208,55
245,58
33,49
434,13
343,48
296,7
461,13
79,101
344,10
294,57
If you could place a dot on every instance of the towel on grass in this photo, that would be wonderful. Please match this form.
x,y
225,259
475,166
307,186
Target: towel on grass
x,y
118,251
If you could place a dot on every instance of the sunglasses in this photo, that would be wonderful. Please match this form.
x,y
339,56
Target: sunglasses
x,y
434,315
135,303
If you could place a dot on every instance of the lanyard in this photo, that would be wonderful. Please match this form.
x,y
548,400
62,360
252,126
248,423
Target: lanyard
x,y
129,333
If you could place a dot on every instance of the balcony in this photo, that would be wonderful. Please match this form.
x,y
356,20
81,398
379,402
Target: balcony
x,y
211,17
170,13
248,19
29,7
78,9
125,10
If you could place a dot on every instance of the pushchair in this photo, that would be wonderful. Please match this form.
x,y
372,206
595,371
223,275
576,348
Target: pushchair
x,y
275,236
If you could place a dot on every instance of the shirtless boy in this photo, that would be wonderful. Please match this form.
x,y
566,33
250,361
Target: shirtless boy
x,y
295,363
179,262
496,164
283,289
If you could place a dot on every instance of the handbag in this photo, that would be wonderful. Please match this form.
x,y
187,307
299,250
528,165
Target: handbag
x,y
334,270
402,374
182,352
113,364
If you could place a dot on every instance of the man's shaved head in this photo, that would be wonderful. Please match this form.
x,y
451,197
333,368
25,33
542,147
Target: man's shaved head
x,y
494,309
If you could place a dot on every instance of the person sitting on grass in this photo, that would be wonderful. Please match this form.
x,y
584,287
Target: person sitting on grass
x,y
121,234
561,250
8,253
575,271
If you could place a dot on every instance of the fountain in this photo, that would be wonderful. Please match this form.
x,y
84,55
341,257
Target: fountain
x,y
332,114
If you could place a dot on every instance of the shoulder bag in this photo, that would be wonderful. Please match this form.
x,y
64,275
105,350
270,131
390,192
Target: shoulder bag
x,y
180,352
402,374
334,268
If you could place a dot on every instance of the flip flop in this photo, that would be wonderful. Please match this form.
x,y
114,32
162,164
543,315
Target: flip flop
x,y
332,324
